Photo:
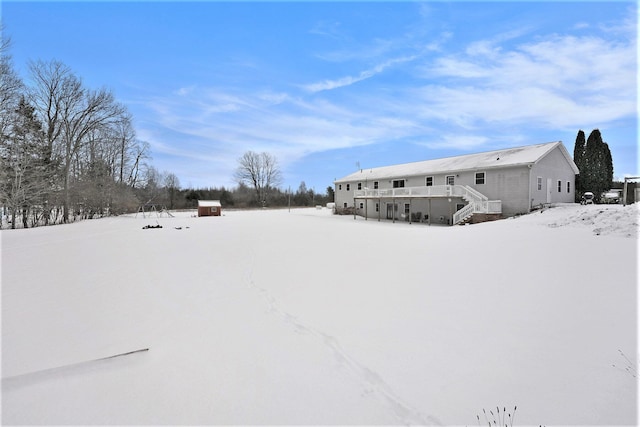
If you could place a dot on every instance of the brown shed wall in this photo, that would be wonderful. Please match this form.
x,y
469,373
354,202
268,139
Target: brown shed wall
x,y
208,211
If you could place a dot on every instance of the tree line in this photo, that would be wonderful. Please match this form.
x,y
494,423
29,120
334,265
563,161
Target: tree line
x,y
68,152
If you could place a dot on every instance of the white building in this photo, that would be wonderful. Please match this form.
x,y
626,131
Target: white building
x,y
471,187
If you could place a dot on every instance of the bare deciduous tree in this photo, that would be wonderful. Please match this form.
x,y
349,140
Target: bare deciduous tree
x,y
259,171
172,186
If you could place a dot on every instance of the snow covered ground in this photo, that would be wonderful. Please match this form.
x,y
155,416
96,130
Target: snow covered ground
x,y
271,317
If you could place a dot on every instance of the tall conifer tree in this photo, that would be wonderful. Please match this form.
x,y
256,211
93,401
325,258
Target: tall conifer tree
x,y
598,165
579,160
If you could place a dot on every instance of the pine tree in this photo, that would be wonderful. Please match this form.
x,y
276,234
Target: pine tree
x,y
22,160
579,160
596,172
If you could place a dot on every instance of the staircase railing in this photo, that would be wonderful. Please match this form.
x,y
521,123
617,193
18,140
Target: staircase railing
x,y
463,213
477,202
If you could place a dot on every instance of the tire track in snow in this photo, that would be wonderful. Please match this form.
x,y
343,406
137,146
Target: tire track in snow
x,y
370,380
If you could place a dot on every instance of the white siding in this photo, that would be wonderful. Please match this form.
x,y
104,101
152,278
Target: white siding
x,y
553,166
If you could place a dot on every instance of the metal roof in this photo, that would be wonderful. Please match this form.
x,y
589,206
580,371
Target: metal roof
x,y
508,157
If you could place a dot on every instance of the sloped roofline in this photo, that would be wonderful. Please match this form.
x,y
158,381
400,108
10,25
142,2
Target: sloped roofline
x,y
394,172
566,155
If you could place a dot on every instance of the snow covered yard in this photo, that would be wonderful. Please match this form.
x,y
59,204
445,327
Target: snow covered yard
x,y
271,317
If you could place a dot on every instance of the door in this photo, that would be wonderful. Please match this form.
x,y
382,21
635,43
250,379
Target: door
x,y
390,210
549,185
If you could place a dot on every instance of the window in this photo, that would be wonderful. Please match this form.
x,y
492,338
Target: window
x,y
568,186
428,181
375,185
559,186
348,187
339,186
479,178
450,179
398,183
539,183
377,207
359,186
361,205
345,204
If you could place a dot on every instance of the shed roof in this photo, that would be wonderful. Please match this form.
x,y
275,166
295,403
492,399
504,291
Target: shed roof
x,y
209,203
507,157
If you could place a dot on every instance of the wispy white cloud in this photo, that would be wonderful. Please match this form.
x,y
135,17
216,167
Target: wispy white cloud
x,y
363,75
559,81
459,141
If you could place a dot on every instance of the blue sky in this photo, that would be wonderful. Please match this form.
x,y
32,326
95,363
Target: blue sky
x,y
330,86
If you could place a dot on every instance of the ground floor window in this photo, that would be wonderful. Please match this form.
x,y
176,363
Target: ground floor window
x,y
568,186
559,186
361,205
539,183
345,204
377,207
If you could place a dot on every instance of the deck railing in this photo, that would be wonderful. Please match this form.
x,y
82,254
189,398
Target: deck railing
x,y
477,202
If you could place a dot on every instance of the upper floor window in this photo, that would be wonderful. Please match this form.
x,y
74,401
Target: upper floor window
x,y
428,181
450,179
375,185
339,186
398,183
348,187
480,178
359,186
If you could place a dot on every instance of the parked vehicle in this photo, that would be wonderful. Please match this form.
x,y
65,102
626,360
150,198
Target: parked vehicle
x,y
587,198
612,196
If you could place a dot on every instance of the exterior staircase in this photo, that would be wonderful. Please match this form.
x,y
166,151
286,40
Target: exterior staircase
x,y
477,203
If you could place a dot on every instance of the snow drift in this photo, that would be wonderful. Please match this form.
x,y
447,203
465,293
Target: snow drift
x,y
271,317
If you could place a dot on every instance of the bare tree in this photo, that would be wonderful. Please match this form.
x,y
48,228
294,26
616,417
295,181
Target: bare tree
x,y
259,171
172,185
51,84
11,88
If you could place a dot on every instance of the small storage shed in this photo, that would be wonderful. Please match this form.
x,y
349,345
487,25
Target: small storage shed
x,y
209,208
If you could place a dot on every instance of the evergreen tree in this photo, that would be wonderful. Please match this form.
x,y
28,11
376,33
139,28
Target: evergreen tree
x,y
21,157
578,158
330,194
595,164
